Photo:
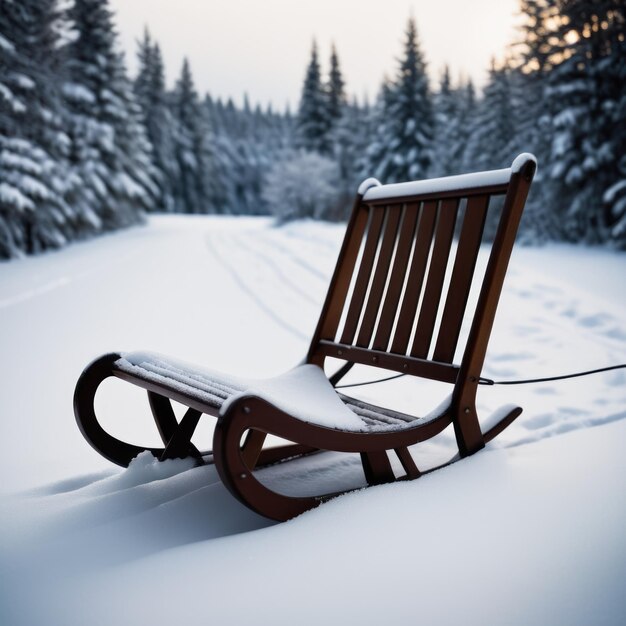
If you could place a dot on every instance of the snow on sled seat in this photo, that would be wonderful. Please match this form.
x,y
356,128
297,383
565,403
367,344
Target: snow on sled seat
x,y
397,300
303,392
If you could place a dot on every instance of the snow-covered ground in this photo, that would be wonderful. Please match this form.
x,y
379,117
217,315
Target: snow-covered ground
x,y
529,531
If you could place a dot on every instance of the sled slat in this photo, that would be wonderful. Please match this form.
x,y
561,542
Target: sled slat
x,y
398,275
461,281
416,277
340,282
436,275
380,276
363,277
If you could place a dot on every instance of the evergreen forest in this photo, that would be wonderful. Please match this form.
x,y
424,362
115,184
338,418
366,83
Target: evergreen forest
x,y
85,148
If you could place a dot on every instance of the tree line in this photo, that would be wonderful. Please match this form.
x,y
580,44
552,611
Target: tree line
x,y
86,149
559,92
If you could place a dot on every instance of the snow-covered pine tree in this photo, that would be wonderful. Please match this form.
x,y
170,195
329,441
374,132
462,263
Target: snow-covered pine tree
x,y
447,105
137,182
491,138
352,137
234,154
269,141
344,134
313,123
33,179
157,118
492,129
335,88
402,148
377,151
142,83
465,95
191,189
224,159
108,151
247,143
533,121
587,99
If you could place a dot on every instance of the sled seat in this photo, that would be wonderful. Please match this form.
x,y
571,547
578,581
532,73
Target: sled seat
x,y
304,392
404,297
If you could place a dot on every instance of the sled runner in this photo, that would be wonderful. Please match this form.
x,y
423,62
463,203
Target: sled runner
x,y
397,301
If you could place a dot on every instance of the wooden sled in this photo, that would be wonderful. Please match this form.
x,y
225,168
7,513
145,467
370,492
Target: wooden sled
x,y
384,308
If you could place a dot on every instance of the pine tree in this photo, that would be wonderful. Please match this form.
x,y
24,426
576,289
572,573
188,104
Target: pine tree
x,y
492,129
585,94
377,151
352,137
403,146
137,182
336,99
447,118
344,135
109,151
536,60
492,132
143,82
151,95
246,144
313,123
33,212
227,181
466,112
191,188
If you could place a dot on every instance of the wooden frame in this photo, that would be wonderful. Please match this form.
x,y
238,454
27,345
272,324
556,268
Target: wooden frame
x,y
384,308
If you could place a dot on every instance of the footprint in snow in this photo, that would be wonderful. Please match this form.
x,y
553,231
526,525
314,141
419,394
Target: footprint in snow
x,y
594,321
570,411
526,330
615,333
550,289
511,356
500,372
539,421
617,378
525,293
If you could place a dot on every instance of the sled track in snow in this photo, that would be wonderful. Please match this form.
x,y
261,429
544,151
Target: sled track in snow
x,y
247,289
274,266
317,241
296,259
553,429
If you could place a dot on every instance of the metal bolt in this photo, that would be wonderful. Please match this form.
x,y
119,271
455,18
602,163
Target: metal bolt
x,y
405,366
242,475
246,409
375,359
473,379
466,410
339,352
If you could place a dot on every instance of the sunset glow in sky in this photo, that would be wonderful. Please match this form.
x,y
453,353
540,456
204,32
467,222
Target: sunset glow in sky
x,y
263,47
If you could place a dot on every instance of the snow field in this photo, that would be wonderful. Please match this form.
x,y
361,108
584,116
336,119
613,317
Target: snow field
x,y
528,531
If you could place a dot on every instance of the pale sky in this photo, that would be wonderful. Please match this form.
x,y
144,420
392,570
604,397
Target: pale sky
x,y
262,48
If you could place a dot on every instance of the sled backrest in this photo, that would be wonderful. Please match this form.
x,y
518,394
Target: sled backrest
x,y
387,304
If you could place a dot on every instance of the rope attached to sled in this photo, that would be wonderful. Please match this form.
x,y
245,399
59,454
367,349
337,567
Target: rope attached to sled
x,y
490,382
530,381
